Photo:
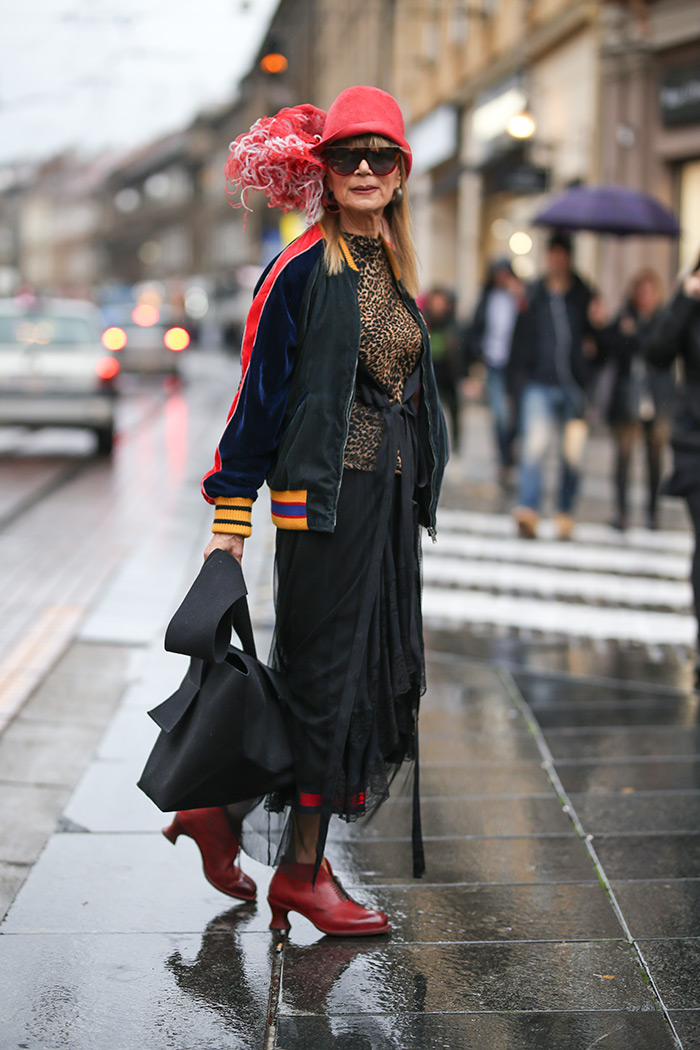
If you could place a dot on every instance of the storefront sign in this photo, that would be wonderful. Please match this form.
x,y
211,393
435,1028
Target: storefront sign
x,y
434,139
679,96
520,178
490,118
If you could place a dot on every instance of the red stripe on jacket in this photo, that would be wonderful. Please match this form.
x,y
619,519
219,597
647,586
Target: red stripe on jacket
x,y
307,240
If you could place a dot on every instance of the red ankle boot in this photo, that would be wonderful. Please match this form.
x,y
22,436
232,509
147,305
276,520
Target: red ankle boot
x,y
326,904
218,845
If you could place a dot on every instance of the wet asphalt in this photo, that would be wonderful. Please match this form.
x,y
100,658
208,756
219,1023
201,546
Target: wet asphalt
x,y
561,903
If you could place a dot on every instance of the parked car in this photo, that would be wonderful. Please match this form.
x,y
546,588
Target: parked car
x,y
153,345
54,370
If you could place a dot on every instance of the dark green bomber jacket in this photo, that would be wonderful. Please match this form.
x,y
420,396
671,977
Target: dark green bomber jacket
x,y
289,420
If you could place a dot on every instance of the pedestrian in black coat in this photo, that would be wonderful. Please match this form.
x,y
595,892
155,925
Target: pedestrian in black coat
x,y
641,395
446,352
675,335
552,362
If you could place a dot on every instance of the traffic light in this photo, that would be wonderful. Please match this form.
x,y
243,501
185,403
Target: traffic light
x,y
273,60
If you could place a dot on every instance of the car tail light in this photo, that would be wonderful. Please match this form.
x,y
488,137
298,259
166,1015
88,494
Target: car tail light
x,y
177,339
145,315
107,368
114,338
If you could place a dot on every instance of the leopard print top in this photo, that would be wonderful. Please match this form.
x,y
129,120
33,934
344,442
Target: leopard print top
x,y
390,346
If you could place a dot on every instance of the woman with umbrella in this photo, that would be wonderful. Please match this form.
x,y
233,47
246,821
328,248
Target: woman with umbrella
x,y
675,335
641,395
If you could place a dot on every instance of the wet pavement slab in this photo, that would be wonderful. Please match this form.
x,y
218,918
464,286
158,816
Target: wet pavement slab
x,y
547,859
687,1025
341,979
644,811
650,774
200,991
492,913
660,909
620,741
580,1030
657,856
468,780
675,965
461,818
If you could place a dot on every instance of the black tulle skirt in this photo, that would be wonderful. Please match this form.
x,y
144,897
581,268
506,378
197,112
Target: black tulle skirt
x,y
349,640
347,634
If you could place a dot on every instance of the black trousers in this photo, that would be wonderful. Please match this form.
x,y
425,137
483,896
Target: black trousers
x,y
654,434
693,501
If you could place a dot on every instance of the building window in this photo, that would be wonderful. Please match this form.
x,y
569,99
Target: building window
x,y
226,244
172,186
127,200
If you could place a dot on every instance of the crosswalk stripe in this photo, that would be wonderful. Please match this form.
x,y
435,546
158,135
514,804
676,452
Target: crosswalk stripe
x,y
452,609
602,586
452,520
557,583
563,555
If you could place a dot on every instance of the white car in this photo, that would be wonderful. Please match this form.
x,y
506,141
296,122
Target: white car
x,y
54,370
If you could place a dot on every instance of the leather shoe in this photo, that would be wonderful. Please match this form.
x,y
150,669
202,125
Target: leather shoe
x,y
326,904
218,846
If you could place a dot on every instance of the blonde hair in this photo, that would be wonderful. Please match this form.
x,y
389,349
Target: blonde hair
x,y
642,276
396,224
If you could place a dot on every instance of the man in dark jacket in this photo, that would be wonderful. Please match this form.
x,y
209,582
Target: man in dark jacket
x,y
551,363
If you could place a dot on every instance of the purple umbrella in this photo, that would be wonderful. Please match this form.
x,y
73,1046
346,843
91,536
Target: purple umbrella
x,y
609,209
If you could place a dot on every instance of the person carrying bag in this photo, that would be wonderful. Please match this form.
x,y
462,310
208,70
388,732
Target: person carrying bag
x,y
337,410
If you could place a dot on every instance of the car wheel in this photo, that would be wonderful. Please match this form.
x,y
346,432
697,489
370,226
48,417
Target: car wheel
x,y
105,441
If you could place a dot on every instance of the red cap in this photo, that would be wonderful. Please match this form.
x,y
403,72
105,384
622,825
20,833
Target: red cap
x,y
366,111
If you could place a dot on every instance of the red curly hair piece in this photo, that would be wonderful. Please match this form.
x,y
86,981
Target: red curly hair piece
x,y
276,157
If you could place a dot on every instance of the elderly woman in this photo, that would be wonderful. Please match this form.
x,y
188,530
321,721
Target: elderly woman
x,y
338,410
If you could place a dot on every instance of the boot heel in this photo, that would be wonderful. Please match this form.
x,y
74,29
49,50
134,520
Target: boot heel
x,y
174,830
279,917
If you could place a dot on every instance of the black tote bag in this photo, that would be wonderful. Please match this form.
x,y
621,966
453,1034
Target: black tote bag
x,y
223,735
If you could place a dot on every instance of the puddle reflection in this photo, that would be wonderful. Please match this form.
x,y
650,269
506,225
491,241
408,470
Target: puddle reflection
x,y
229,974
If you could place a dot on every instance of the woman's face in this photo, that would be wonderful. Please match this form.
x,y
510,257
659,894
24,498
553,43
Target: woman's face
x,y
363,192
646,297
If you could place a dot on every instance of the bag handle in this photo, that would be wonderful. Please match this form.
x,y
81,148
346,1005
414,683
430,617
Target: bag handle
x,y
216,602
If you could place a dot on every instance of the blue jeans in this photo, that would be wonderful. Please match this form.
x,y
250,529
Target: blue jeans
x,y
502,414
543,408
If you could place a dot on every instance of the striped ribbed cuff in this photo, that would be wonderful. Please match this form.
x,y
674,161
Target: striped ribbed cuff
x,y
233,515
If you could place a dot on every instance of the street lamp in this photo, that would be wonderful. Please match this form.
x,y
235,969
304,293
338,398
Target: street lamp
x,y
522,126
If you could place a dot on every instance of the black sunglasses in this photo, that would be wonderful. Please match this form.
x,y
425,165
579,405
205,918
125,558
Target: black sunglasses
x,y
344,160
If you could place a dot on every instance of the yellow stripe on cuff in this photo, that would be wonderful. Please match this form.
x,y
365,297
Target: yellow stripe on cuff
x,y
233,515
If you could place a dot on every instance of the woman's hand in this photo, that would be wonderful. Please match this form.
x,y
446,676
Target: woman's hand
x,y
598,313
225,541
691,285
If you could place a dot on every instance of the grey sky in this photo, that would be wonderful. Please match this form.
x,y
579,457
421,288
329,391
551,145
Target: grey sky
x,y
112,73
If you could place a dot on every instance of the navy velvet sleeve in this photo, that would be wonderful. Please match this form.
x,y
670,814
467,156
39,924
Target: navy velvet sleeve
x,y
254,423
